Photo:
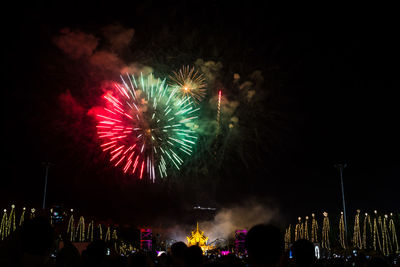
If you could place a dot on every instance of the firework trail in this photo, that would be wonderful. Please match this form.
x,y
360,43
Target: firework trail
x,y
146,127
190,83
219,111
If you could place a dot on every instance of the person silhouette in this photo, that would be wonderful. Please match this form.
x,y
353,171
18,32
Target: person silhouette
x,y
193,256
264,244
178,250
37,240
303,253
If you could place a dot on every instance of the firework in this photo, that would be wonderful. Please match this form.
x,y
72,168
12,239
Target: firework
x,y
190,83
219,111
146,127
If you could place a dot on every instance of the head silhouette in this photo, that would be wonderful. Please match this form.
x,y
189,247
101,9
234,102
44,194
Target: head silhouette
x,y
96,252
264,245
303,253
178,250
37,236
193,256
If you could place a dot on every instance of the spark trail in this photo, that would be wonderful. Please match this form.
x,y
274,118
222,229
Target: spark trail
x,y
189,83
146,127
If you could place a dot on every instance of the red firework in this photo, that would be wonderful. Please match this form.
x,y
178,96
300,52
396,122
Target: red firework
x,y
145,128
116,128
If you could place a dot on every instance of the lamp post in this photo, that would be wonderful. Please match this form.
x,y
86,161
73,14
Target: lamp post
x,y
47,164
340,167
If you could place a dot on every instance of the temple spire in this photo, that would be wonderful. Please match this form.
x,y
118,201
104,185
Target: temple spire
x,y
198,238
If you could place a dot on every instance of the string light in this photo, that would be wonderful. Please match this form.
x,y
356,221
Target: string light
x,y
100,231
11,221
306,235
376,234
314,229
22,218
357,243
76,233
90,231
386,244
367,223
80,230
33,213
298,231
71,227
114,235
392,230
288,234
4,225
325,232
108,234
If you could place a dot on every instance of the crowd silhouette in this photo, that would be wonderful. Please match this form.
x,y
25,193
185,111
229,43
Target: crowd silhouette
x,y
34,244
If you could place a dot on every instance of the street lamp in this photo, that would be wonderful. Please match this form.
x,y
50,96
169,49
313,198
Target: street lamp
x,y
340,167
47,164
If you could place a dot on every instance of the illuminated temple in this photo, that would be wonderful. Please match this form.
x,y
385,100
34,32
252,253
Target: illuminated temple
x,y
198,238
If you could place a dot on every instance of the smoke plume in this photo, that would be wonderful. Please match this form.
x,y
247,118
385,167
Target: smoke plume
x,y
76,44
228,220
104,60
118,36
210,69
107,62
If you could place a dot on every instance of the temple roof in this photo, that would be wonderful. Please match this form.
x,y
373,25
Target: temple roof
x,y
197,237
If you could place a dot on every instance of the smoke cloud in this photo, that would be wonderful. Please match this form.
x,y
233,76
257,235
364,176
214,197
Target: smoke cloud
x,y
99,63
136,67
106,61
210,69
70,105
118,36
257,78
249,88
228,220
76,44
179,232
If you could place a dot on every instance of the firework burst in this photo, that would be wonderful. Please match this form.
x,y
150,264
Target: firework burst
x,y
190,83
145,127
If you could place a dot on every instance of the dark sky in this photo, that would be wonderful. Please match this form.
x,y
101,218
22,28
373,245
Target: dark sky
x,y
332,77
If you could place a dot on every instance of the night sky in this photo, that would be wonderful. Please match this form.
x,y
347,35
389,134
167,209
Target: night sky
x,y
329,94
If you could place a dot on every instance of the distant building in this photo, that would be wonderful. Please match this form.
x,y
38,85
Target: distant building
x,y
198,238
